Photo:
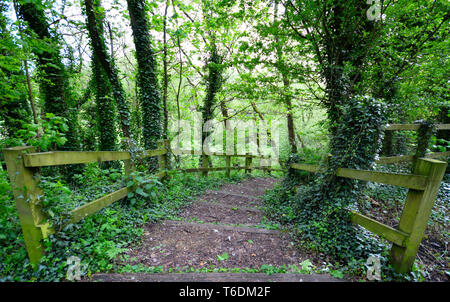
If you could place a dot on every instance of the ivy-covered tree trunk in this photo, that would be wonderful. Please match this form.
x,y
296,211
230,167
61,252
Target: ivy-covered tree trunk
x,y
49,61
341,42
13,103
443,117
344,46
107,64
214,81
166,74
105,107
443,136
149,97
322,207
53,84
290,117
105,110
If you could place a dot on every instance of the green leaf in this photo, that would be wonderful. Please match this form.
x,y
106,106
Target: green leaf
x,y
337,274
141,192
222,257
130,183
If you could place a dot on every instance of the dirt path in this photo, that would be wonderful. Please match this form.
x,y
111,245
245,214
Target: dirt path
x,y
221,229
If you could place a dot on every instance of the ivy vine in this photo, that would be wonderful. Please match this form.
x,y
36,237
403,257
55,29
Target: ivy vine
x,y
321,207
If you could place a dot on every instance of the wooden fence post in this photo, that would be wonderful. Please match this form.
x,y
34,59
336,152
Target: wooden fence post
x,y
228,165
424,133
205,164
128,167
26,196
248,163
162,159
387,143
416,213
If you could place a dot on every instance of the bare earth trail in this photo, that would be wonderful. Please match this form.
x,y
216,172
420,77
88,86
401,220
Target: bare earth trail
x,y
220,229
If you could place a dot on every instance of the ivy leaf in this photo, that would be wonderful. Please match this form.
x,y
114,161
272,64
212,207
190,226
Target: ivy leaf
x,y
141,192
337,274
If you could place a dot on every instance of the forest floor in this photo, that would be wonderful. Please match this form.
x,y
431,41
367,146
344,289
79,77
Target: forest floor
x,y
223,229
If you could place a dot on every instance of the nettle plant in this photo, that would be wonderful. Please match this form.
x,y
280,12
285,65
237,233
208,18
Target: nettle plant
x,y
50,135
142,187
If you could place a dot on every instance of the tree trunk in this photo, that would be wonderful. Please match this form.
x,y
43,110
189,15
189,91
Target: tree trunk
x,y
147,78
287,100
105,109
166,76
14,109
107,64
289,117
214,82
30,91
49,61
53,84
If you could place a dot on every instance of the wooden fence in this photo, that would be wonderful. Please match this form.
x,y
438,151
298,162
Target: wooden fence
x,y
23,163
423,186
411,158
248,167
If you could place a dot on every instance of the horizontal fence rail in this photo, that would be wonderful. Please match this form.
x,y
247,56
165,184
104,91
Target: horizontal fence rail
x,y
267,167
389,233
410,181
197,152
413,127
213,169
81,157
421,149
409,158
98,204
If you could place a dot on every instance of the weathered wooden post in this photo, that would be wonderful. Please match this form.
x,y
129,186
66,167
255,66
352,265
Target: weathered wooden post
x,y
128,167
162,159
27,195
387,143
416,213
248,163
424,135
205,164
228,165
